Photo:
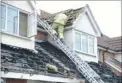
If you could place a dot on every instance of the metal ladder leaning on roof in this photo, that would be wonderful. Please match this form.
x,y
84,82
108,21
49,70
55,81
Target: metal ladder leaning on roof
x,y
81,65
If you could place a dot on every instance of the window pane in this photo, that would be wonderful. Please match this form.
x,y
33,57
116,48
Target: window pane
x,y
23,24
78,37
78,41
3,11
84,43
91,41
78,46
2,23
91,49
12,15
91,45
12,27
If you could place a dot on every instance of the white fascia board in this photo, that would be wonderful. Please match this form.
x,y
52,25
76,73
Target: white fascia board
x,y
92,19
37,77
101,48
78,18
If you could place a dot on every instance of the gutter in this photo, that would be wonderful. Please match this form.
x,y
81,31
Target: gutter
x,y
105,48
38,77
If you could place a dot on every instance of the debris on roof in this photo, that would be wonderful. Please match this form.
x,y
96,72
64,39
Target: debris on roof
x,y
105,73
25,61
71,13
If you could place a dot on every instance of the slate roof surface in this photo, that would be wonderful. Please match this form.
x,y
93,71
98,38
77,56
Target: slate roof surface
x,y
71,13
23,60
114,43
103,43
45,14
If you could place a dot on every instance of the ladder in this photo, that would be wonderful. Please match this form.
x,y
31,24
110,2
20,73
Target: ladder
x,y
81,65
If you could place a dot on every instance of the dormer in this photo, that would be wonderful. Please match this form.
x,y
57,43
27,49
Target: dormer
x,y
18,23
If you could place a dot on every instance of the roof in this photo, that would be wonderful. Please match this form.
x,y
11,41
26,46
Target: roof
x,y
44,14
71,13
24,60
105,73
15,59
103,43
114,43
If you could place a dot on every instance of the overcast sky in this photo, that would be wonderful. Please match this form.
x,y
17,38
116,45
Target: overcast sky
x,y
106,13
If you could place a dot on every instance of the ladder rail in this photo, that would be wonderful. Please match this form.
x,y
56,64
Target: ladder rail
x,y
81,65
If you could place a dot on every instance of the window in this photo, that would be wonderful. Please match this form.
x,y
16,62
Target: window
x,y
78,41
91,45
12,20
23,24
16,21
3,16
84,43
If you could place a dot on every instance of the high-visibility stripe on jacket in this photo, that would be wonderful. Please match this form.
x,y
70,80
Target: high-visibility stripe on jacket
x,y
61,19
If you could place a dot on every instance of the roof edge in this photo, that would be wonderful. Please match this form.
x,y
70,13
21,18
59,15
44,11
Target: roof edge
x,y
92,16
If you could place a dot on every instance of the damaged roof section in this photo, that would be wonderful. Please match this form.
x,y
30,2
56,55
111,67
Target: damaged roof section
x,y
14,59
21,60
71,13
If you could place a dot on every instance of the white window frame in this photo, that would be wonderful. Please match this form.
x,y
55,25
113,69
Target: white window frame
x,y
75,42
87,41
6,19
93,44
13,21
88,36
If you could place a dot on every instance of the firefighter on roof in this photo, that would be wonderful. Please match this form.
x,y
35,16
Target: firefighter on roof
x,y
58,24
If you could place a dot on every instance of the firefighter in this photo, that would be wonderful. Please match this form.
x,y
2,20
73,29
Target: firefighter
x,y
58,24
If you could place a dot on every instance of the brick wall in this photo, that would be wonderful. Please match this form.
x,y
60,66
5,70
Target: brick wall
x,y
41,36
103,54
9,80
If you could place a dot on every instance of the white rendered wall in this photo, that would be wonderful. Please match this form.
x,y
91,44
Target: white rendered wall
x,y
18,41
68,37
87,57
83,24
